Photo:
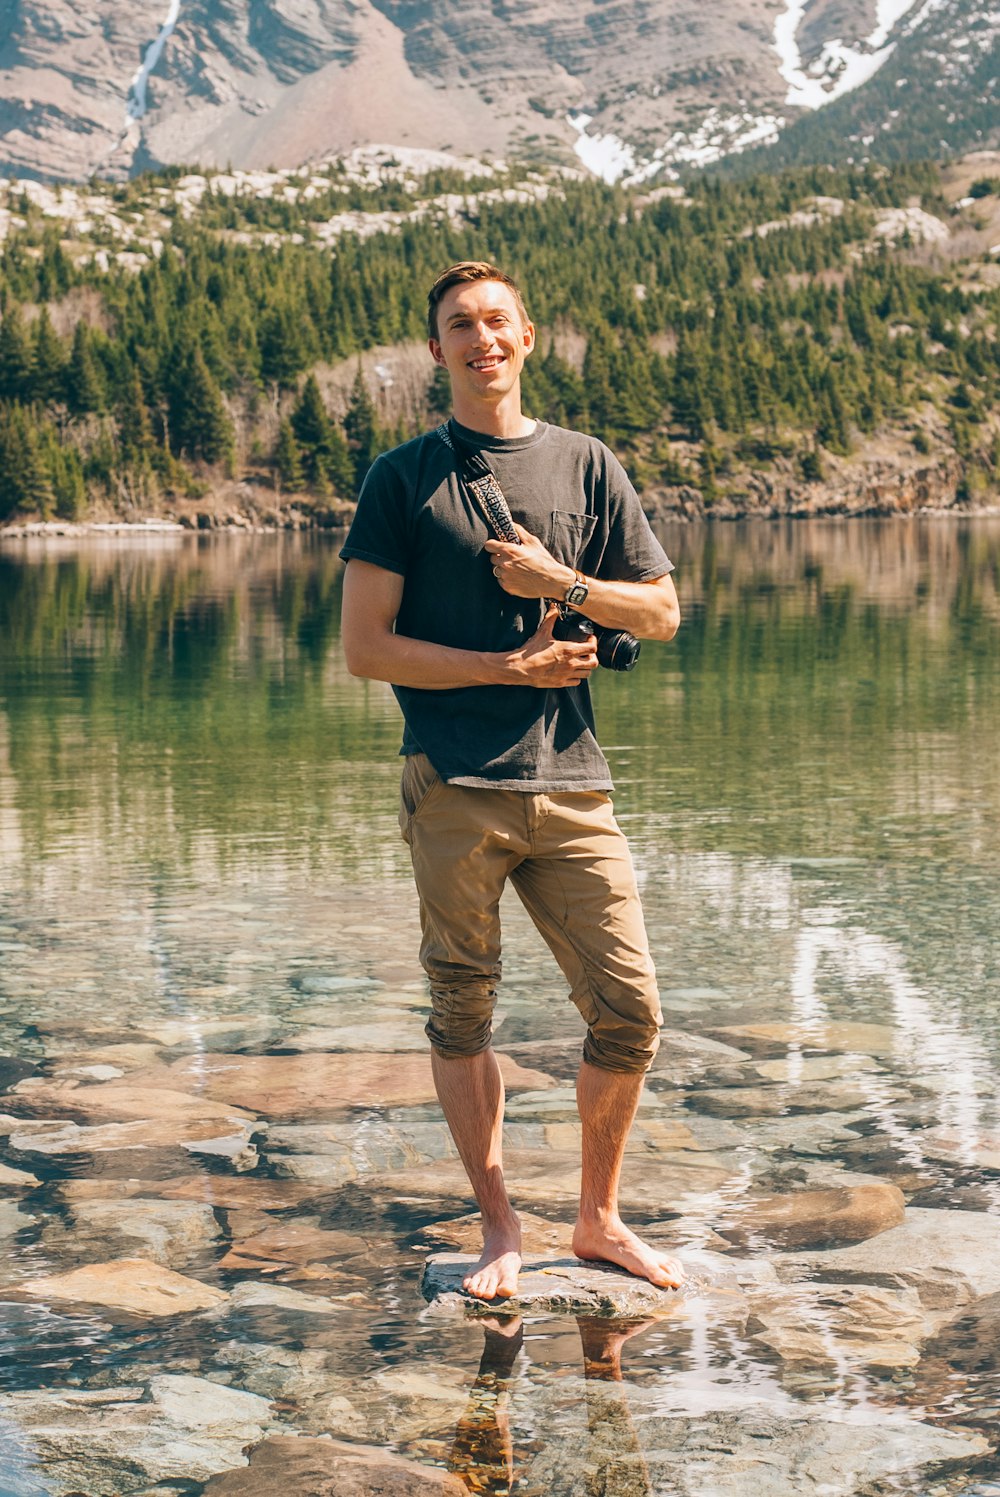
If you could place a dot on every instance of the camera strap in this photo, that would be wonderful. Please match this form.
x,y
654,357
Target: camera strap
x,y
479,478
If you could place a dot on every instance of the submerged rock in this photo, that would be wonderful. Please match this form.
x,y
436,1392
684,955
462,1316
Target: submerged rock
x,y
133,1285
294,1086
108,1441
814,1218
827,1325
290,1245
949,1257
112,1101
777,1039
162,1146
16,1179
172,1233
305,1467
804,1451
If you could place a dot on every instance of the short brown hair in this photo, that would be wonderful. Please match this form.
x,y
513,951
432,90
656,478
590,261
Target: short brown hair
x,y
459,275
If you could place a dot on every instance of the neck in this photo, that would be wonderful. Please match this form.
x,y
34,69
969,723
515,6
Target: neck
x,y
502,419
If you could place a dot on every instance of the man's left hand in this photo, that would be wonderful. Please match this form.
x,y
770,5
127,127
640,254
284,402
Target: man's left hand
x,y
528,570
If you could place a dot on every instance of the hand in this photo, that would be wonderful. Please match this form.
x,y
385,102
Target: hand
x,y
544,661
528,570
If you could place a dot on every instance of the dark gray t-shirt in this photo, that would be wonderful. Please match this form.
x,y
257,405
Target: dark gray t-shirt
x,y
417,518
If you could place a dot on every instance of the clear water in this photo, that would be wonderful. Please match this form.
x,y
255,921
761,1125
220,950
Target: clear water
x,y
198,823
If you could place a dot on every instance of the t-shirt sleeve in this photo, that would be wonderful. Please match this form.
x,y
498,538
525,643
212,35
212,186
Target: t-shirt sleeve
x,y
379,532
631,553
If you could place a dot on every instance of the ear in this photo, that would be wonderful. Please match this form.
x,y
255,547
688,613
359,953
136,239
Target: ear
x,y
436,353
528,336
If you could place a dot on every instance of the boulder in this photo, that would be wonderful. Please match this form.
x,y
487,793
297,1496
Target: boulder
x,y
133,1285
305,1467
814,1218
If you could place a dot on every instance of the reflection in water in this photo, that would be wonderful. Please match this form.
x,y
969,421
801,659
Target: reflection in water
x,y
201,886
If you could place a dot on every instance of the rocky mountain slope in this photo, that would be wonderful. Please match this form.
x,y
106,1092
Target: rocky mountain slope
x,y
634,88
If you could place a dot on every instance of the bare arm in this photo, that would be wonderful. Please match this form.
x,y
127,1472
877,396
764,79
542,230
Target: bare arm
x,y
373,649
528,570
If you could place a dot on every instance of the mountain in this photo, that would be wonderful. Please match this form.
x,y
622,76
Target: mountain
x,y
632,88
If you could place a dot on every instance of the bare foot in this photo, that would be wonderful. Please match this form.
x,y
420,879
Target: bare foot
x,y
610,1241
495,1275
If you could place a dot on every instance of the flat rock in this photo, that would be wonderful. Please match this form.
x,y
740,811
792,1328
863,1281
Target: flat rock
x,y
729,1451
288,1245
293,1086
305,1467
968,1149
165,1142
108,1441
113,1101
569,1286
798,1069
833,1038
228,1192
133,1285
814,1218
779,1101
949,1257
251,1295
359,1039
201,1033
825,1325
172,1233
334,1152
13,1179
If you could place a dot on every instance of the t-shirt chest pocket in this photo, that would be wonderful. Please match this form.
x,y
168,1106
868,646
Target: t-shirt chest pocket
x,y
568,535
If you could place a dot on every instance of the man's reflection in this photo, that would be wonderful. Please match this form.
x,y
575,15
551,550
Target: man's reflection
x,y
482,1453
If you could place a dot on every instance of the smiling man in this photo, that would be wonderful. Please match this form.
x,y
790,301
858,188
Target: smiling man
x,y
503,777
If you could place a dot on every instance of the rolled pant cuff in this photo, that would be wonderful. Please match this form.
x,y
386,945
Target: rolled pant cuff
x,y
611,1055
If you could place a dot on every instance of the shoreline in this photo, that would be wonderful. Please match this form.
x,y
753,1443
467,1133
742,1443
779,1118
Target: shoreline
x,y
155,529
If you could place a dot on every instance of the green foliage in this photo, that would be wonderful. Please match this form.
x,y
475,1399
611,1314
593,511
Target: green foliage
x,y
683,325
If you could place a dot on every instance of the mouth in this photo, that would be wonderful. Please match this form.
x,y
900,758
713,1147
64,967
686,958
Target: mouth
x,y
492,362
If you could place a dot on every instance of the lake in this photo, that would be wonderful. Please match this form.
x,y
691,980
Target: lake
x,y
222,1166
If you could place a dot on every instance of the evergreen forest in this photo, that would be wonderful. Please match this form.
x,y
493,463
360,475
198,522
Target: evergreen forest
x,y
700,332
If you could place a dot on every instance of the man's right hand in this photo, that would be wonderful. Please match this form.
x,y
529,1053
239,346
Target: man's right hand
x,y
545,661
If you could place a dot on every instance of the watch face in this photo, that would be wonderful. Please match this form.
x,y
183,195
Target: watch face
x,y
577,594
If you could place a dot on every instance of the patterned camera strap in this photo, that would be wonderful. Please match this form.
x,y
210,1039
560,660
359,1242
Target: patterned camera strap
x,y
480,478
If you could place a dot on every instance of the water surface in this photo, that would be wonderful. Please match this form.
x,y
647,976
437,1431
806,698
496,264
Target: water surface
x,y
199,858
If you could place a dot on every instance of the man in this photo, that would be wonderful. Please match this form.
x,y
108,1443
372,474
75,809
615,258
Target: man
x,y
502,775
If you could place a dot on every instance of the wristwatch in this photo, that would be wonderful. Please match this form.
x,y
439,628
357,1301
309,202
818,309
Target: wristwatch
x,y
577,592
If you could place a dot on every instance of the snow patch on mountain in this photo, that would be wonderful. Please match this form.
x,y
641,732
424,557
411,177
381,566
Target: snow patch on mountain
x,y
840,67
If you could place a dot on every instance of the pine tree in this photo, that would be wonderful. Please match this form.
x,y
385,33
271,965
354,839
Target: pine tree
x,y
198,421
362,429
49,360
288,460
15,357
84,383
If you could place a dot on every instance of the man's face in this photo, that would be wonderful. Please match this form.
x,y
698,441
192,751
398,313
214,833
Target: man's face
x,y
482,340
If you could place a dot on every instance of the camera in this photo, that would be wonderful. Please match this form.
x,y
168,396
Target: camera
x,y
617,650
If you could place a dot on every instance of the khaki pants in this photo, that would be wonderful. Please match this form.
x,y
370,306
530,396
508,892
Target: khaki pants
x,y
569,862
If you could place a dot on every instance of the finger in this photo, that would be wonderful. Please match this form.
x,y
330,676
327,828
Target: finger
x,y
525,535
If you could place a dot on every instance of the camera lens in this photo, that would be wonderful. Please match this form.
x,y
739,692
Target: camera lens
x,y
617,650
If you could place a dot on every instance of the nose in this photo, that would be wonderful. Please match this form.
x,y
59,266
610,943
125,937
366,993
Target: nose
x,y
482,336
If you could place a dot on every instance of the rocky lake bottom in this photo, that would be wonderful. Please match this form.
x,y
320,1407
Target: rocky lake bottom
x,y
232,1221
